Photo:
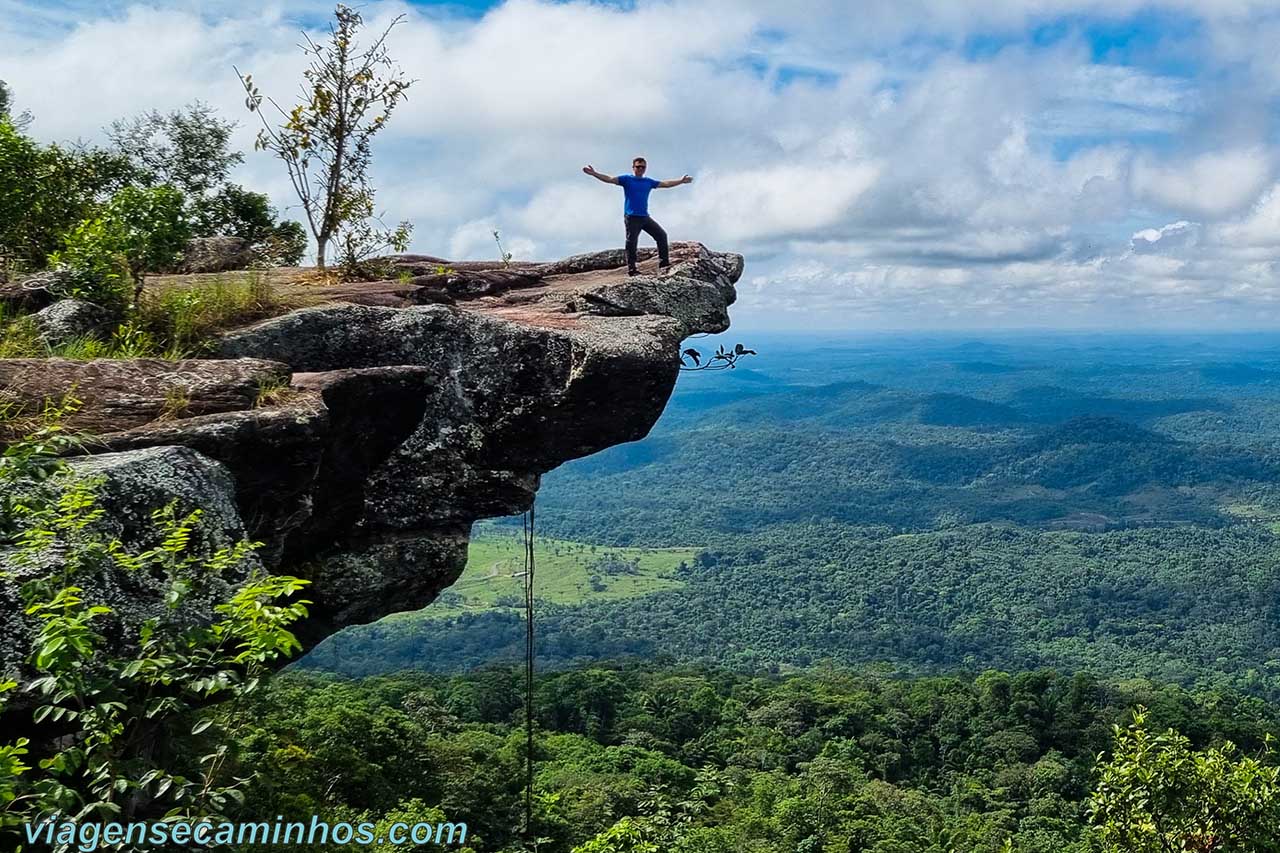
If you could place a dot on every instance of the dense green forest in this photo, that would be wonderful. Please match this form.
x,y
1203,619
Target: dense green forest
x,y
972,598
691,759
1100,508
1101,504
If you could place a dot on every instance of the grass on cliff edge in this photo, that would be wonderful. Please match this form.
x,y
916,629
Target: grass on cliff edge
x,y
563,573
179,316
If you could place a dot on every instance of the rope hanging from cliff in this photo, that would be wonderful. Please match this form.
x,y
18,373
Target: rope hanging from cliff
x,y
528,678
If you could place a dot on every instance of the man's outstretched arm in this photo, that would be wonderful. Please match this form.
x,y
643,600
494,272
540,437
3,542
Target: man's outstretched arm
x,y
608,179
665,185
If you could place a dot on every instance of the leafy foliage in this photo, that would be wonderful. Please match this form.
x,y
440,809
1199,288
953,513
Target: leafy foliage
x,y
190,150
99,271
363,239
663,758
118,727
46,190
34,443
285,245
237,212
1157,793
139,231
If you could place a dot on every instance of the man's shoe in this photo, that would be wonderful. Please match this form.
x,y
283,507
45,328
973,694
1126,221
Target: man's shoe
x,y
632,272
665,266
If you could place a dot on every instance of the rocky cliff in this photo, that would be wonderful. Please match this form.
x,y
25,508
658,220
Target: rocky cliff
x,y
360,438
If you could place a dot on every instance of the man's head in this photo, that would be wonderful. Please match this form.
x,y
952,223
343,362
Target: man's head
x,y
638,166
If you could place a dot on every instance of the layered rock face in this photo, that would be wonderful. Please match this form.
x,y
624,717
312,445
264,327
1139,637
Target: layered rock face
x,y
360,439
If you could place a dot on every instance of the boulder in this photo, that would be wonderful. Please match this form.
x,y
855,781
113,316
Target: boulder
x,y
68,319
33,292
216,254
129,487
117,394
406,422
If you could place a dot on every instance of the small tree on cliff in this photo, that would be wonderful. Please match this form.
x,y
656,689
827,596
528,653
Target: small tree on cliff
x,y
347,97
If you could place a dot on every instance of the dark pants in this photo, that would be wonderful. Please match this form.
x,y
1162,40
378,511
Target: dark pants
x,y
636,224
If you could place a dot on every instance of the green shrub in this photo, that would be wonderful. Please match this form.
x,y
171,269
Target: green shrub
x,y
1157,794
285,245
154,229
97,268
237,212
45,191
126,735
141,230
190,149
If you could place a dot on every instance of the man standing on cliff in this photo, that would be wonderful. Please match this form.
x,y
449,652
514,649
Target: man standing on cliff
x,y
636,188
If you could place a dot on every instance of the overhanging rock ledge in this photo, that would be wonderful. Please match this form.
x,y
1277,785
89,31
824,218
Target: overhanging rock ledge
x,y
413,407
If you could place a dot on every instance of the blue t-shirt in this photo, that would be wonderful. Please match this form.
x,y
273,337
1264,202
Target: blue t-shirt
x,y
637,192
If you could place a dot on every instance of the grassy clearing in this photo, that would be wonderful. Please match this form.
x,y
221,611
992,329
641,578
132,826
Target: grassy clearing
x,y
567,572
1254,512
1251,511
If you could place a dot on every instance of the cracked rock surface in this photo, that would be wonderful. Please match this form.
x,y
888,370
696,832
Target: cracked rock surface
x,y
360,438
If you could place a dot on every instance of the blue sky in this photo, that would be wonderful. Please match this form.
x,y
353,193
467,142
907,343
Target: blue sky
x,y
882,165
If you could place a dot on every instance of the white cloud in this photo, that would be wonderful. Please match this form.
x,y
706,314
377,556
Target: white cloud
x,y
1178,235
906,183
476,239
1260,228
574,212
775,201
1209,185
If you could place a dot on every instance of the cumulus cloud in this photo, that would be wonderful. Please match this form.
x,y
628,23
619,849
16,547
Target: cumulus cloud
x,y
1260,228
775,201
1209,185
872,165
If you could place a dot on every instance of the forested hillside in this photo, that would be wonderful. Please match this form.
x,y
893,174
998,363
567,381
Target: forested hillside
x,y
1087,504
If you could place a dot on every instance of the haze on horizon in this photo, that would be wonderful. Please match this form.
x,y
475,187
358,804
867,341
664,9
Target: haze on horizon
x,y
905,165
